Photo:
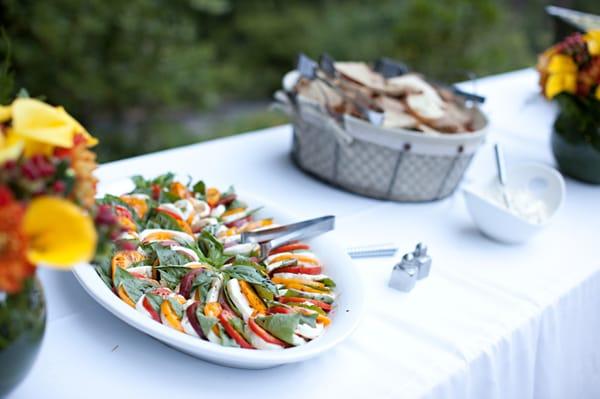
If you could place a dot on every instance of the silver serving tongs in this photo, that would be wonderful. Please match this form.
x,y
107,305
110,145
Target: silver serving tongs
x,y
274,237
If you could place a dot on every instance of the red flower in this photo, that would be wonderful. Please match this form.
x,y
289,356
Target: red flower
x,y
14,266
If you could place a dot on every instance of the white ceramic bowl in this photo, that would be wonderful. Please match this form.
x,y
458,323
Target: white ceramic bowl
x,y
497,222
345,316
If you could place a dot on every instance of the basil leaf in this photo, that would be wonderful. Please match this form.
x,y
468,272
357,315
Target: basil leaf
x,y
242,260
212,249
282,326
328,282
251,275
308,295
206,323
176,306
141,184
310,319
155,301
311,307
168,257
171,275
199,188
134,287
203,281
104,275
160,220
226,340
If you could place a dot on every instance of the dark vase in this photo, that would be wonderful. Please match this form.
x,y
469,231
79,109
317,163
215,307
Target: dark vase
x,y
576,145
22,325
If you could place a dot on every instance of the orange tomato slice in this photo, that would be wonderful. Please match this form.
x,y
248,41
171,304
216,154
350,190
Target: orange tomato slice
x,y
255,302
124,259
123,295
170,316
212,196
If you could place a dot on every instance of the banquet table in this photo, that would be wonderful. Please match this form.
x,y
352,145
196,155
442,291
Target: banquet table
x,y
491,320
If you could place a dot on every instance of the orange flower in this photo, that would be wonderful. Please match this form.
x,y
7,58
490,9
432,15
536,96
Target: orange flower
x,y
14,266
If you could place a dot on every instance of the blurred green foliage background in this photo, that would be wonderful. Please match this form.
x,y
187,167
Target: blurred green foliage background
x,y
150,74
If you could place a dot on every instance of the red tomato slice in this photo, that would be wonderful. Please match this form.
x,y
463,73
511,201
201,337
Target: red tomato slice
x,y
299,270
280,309
170,213
325,306
289,248
122,211
224,317
150,309
258,330
156,189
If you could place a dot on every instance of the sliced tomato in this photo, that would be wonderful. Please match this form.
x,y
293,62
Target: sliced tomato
x,y
299,270
120,210
213,196
125,259
150,309
227,199
325,306
170,213
280,309
191,314
156,190
239,222
289,248
263,334
224,318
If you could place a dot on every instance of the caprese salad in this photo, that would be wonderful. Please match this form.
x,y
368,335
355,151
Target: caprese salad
x,y
178,260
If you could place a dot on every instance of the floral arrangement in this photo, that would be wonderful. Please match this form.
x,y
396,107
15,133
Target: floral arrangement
x,y
570,75
572,66
48,214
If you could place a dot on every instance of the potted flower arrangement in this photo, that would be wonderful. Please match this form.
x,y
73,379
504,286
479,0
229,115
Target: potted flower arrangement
x,y
47,218
570,75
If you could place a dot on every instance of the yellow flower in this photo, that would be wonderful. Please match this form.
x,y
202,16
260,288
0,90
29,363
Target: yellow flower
x,y
559,83
59,233
11,147
562,76
44,127
592,39
560,63
5,113
597,92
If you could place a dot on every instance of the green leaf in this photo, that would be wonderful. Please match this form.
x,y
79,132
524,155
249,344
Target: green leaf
x,y
242,260
104,276
203,281
282,326
160,220
308,295
199,188
155,301
141,184
212,249
264,293
134,287
168,257
206,323
251,275
226,340
171,275
176,306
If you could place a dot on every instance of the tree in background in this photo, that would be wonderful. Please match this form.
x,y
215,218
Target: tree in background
x,y
131,69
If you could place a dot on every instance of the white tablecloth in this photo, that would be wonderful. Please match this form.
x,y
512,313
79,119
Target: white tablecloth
x,y
491,321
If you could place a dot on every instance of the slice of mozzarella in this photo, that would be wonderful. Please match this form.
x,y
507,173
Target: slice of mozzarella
x,y
238,298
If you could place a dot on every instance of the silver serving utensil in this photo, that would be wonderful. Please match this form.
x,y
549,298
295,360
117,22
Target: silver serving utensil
x,y
274,237
501,173
373,251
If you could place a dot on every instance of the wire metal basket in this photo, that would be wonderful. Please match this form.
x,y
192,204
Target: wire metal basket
x,y
391,164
